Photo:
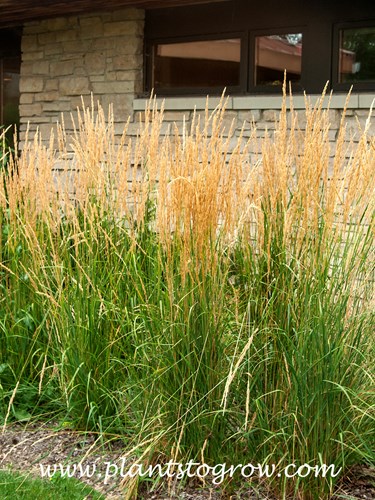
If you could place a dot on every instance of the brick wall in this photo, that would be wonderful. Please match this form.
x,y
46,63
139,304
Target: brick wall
x,y
69,57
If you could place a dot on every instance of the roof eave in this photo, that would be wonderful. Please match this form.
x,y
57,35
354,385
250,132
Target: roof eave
x,y
18,12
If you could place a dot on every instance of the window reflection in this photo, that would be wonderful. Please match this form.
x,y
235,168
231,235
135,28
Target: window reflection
x,y
276,53
205,63
357,55
9,93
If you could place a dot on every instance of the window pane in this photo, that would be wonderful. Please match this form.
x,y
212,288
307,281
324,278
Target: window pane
x,y
357,55
9,92
276,53
208,63
11,80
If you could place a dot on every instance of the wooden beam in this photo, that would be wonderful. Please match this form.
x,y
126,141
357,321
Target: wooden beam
x,y
17,12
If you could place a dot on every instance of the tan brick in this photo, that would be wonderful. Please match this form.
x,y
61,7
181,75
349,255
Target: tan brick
x,y
233,143
176,116
130,45
269,115
47,38
56,106
51,84
33,28
40,68
32,56
105,16
334,117
128,76
112,87
97,78
301,118
90,21
363,113
31,84
61,68
81,46
26,98
119,45
263,125
43,26
74,85
30,109
138,87
29,43
110,76
35,119
67,35
90,33
27,68
332,135
69,118
95,63
126,62
47,96
76,59
78,101
80,71
119,129
56,24
53,49
230,117
249,116
122,104
22,136
91,27
118,28
227,120
45,130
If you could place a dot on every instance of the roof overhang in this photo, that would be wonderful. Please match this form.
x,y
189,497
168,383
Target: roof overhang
x,y
17,12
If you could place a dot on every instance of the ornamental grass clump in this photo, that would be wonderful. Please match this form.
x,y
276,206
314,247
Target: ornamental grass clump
x,y
200,301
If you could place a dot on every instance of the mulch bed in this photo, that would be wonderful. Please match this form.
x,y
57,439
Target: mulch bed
x,y
24,448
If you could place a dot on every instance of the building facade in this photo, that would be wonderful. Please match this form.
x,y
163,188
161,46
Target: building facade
x,y
54,56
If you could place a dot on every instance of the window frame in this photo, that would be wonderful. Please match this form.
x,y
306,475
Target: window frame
x,y
247,62
320,29
272,89
10,48
335,65
151,44
3,101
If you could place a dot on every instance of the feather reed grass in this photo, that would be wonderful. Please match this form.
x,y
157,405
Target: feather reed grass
x,y
201,303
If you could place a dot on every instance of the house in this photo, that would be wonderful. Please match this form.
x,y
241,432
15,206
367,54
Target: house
x,y
52,53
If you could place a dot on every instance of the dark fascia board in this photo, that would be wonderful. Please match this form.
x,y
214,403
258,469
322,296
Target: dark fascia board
x,y
18,12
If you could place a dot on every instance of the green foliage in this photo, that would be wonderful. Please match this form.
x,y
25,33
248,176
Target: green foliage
x,y
195,346
14,485
361,44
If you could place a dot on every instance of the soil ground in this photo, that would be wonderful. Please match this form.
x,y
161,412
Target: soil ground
x,y
25,448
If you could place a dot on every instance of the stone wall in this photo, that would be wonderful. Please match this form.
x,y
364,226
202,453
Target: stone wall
x,y
69,57
262,110
101,54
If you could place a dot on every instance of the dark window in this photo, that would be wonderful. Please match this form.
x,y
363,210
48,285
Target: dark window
x,y
275,54
10,79
10,64
357,55
203,63
247,46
